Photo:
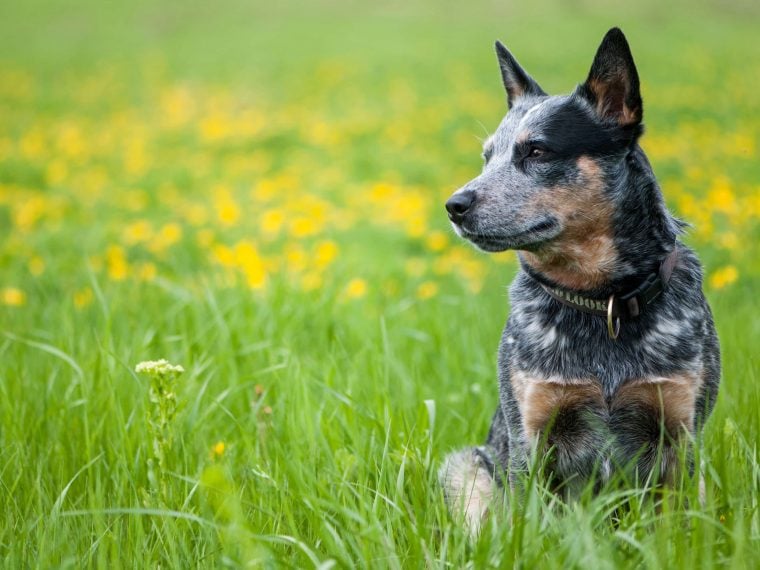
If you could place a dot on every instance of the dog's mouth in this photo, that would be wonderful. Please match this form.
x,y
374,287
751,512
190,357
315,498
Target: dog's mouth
x,y
528,239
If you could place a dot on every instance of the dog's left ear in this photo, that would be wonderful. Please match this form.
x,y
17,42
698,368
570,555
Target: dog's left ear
x,y
516,80
612,86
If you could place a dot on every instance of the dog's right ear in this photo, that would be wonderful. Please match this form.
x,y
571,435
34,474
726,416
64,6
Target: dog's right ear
x,y
516,81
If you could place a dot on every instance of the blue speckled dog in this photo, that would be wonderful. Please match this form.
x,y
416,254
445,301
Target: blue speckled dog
x,y
609,359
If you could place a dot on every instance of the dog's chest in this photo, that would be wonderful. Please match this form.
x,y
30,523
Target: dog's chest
x,y
569,346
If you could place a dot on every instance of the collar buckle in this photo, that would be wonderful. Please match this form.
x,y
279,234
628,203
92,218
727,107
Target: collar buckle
x,y
612,330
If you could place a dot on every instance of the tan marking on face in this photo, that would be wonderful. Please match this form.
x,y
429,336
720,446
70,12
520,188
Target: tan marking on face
x,y
523,137
673,398
584,254
539,399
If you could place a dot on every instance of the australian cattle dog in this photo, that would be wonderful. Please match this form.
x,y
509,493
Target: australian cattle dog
x,y
609,360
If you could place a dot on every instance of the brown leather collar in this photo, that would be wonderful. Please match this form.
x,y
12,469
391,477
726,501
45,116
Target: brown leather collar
x,y
626,305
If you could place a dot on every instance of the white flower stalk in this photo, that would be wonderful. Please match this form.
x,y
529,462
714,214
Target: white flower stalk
x,y
160,422
158,367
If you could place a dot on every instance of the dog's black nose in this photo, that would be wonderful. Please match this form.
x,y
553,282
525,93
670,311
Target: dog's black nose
x,y
458,205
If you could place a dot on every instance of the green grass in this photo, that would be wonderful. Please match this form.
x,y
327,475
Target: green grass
x,y
334,411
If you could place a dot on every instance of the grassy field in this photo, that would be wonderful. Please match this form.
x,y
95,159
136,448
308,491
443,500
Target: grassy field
x,y
255,192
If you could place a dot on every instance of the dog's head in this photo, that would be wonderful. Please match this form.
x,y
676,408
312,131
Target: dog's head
x,y
552,164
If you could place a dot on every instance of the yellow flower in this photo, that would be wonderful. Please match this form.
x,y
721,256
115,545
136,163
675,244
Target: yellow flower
x,y
302,227
356,288
724,276
436,240
12,297
147,271
250,262
311,281
325,253
721,197
83,298
116,261
427,289
137,232
227,210
217,450
271,221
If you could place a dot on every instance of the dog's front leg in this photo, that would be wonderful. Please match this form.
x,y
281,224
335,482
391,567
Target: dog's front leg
x,y
565,421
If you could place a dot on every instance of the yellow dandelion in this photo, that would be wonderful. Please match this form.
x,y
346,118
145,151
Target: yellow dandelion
x,y
721,197
436,240
224,255
302,227
427,290
12,296
295,257
217,450
214,128
325,253
116,263
416,226
137,232
723,277
356,288
170,234
228,213
147,271
271,221
311,281
227,210
250,262
83,297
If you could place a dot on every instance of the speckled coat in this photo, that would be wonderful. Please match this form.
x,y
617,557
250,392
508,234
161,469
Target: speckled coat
x,y
567,185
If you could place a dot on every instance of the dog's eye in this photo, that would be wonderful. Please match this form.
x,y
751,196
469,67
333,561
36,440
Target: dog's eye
x,y
536,152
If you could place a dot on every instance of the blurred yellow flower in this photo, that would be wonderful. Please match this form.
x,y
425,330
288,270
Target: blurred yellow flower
x,y
12,296
427,289
271,221
436,240
303,226
116,262
356,288
721,197
325,253
146,271
217,450
137,232
724,276
311,281
83,297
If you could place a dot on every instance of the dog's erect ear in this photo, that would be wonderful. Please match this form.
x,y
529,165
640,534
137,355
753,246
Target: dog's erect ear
x,y
612,86
516,81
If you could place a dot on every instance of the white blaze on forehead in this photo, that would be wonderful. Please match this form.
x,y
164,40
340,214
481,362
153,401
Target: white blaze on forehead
x,y
530,112
547,106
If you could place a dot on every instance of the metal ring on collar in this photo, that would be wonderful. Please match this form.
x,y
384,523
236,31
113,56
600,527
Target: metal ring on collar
x,y
613,331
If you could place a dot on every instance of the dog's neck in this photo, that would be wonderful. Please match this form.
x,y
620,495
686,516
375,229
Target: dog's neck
x,y
615,250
